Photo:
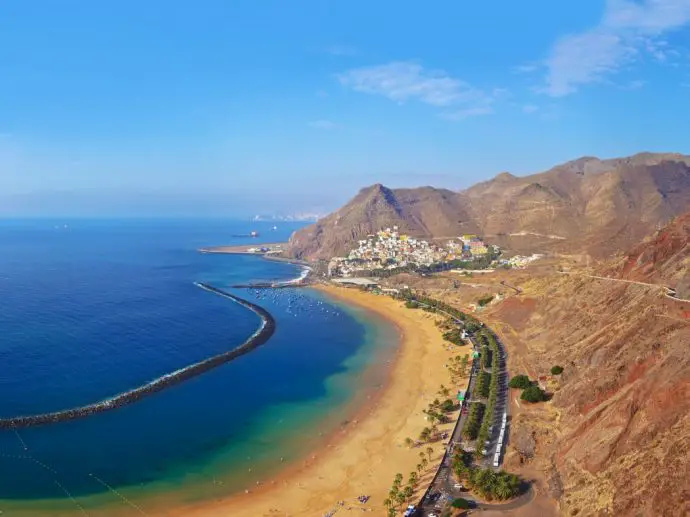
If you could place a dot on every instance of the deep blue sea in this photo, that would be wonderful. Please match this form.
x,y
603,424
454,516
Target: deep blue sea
x,y
89,309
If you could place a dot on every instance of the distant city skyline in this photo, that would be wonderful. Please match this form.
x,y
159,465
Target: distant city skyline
x,y
241,108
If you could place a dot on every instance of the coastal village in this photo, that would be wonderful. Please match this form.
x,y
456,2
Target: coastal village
x,y
389,250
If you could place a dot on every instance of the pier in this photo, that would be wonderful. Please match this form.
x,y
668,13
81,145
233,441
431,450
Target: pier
x,y
261,336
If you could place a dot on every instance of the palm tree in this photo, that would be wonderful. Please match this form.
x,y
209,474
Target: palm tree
x,y
408,493
502,489
409,442
424,463
429,451
420,467
387,503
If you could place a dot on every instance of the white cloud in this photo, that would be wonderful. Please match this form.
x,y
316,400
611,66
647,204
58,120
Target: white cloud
x,y
626,30
403,81
322,124
530,108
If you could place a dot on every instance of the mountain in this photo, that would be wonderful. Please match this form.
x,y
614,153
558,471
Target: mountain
x,y
599,206
424,211
615,437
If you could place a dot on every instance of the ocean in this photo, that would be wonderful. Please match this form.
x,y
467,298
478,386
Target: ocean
x,y
89,309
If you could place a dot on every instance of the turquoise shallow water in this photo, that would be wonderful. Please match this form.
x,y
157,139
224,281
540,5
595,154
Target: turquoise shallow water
x,y
96,308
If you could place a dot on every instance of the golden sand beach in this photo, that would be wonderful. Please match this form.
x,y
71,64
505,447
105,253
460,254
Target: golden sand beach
x,y
366,456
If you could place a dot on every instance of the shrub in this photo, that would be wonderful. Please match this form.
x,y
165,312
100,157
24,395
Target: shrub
x,y
520,381
533,394
482,386
411,304
556,370
485,300
460,503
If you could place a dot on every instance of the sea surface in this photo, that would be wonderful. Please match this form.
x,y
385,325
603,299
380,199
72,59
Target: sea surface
x,y
89,309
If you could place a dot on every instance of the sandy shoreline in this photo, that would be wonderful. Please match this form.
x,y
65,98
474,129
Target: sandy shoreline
x,y
366,456
362,458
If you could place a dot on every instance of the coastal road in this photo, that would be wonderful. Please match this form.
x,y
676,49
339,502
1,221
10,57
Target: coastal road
x,y
443,487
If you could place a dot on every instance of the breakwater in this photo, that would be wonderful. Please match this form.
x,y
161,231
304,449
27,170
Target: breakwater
x,y
262,334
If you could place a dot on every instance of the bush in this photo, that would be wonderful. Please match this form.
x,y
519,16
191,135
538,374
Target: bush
x,y
411,304
485,300
520,381
460,503
556,370
533,394
482,385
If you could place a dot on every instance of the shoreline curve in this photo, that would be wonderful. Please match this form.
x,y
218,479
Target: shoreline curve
x,y
258,338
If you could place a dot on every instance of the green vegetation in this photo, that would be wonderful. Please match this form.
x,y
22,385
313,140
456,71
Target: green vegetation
x,y
482,386
460,504
520,382
556,370
471,428
533,394
486,357
454,336
411,304
485,300
489,341
399,495
489,484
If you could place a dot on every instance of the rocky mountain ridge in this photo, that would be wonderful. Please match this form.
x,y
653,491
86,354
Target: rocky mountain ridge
x,y
599,206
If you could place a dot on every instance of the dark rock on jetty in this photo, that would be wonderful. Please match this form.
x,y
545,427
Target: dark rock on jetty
x,y
259,337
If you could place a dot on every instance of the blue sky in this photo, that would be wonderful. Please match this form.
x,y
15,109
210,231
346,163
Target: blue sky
x,y
230,108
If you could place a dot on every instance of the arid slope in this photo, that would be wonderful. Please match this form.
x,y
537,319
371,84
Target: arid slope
x,y
615,438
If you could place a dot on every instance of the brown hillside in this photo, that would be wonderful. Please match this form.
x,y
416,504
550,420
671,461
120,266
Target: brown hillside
x,y
615,438
599,206
422,211
663,259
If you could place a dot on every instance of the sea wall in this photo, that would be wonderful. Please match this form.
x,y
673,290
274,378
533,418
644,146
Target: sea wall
x,y
263,334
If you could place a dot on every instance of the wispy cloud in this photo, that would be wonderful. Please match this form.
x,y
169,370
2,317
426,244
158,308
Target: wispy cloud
x,y
341,50
627,30
403,81
322,124
467,112
530,108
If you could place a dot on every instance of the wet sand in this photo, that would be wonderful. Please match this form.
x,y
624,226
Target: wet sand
x,y
365,457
